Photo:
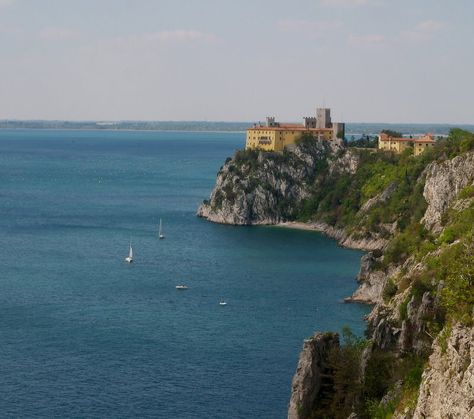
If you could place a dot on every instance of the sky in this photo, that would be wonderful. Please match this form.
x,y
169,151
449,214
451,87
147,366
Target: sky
x,y
402,61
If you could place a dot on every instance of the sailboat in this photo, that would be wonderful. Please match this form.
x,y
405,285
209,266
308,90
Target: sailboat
x,y
129,258
160,232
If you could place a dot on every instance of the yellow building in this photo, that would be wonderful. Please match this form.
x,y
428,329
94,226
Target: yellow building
x,y
399,144
275,136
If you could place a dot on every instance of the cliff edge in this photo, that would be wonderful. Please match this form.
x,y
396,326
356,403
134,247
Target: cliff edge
x,y
256,187
262,188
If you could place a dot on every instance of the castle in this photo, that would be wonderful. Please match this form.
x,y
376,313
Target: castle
x,y
399,144
275,136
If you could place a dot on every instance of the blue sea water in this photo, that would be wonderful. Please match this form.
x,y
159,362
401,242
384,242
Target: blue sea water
x,y
83,334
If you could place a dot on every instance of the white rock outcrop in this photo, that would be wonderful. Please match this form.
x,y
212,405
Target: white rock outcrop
x,y
447,388
268,189
443,183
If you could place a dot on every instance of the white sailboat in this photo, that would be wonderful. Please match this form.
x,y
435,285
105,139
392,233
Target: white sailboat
x,y
160,232
129,258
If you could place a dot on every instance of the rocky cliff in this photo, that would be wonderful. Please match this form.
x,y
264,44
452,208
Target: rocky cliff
x,y
444,182
267,188
410,320
313,374
258,188
417,217
447,389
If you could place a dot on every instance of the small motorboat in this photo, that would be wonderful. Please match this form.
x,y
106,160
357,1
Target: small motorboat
x,y
181,287
222,303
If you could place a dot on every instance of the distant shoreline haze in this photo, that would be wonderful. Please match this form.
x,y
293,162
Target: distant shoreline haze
x,y
352,128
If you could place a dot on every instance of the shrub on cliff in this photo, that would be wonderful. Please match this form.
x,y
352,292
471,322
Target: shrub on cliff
x,y
338,198
249,157
392,133
344,363
455,267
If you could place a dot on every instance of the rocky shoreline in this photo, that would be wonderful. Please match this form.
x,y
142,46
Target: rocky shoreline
x,y
269,189
342,238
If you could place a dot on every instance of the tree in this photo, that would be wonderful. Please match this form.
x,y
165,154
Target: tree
x,y
392,133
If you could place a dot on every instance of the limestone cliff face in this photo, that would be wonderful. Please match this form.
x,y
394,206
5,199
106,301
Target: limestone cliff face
x,y
447,389
371,281
311,377
266,188
444,181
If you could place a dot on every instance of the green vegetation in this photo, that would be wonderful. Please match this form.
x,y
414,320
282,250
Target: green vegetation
x,y
467,192
365,142
443,338
354,390
407,371
246,157
344,363
338,201
390,290
454,266
448,259
392,133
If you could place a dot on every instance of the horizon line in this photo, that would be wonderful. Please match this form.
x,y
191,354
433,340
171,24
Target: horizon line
x,y
118,121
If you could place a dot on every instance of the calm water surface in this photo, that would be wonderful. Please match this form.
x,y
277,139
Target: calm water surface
x,y
83,334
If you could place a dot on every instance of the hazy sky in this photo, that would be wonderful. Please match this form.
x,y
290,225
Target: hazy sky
x,y
237,60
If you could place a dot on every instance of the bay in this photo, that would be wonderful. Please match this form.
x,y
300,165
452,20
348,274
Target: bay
x,y
82,334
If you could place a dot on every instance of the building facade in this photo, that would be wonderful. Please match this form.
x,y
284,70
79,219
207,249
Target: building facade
x,y
400,144
275,136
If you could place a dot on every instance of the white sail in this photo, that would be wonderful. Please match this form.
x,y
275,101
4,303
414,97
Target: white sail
x,y
129,258
160,231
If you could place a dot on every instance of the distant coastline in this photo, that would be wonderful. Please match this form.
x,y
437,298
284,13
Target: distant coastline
x,y
355,130
124,130
156,126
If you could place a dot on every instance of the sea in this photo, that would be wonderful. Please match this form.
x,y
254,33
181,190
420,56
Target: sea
x,y
84,334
